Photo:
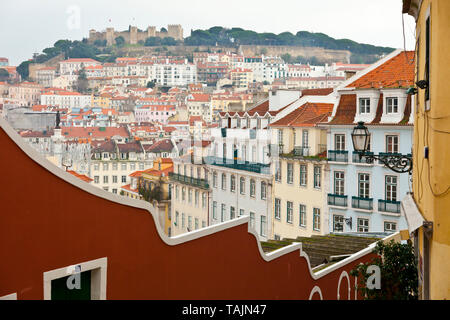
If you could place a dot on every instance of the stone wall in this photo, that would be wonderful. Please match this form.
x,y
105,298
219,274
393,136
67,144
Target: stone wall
x,y
307,52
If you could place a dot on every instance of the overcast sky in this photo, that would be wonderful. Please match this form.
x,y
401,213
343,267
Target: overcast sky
x,y
28,26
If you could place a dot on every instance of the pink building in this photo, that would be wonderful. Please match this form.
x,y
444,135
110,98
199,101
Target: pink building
x,y
154,113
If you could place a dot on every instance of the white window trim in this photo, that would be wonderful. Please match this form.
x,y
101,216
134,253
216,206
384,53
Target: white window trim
x,y
386,134
366,218
98,277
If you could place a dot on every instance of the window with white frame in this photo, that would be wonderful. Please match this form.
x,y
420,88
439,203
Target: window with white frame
x,y
289,211
363,225
222,213
364,105
241,212
252,188
232,183
214,210
392,144
263,190
302,215
232,212
303,175
203,200
242,185
252,219
177,216
338,223
224,181
339,142
305,138
278,171
390,226
339,182
391,105
391,188
363,185
277,209
263,226
280,136
183,193
316,219
290,173
215,179
183,220
317,176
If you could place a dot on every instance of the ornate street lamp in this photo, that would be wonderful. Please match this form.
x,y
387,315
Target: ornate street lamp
x,y
396,162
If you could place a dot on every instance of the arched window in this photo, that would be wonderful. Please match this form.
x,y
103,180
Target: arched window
x,y
233,183
242,185
224,181
263,190
252,188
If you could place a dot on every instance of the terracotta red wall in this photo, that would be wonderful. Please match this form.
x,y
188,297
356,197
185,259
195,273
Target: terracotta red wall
x,y
47,223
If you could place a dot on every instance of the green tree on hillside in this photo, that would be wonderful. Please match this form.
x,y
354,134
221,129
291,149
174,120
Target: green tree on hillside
x,y
120,41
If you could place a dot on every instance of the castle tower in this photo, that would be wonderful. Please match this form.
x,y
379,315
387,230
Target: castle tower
x,y
175,31
151,31
92,35
133,35
110,36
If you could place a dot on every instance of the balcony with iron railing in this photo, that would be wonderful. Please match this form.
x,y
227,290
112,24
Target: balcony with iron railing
x,y
338,155
362,203
306,152
337,200
363,159
239,165
195,182
388,206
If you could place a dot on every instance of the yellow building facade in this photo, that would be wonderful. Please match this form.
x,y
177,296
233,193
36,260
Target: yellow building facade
x,y
301,174
427,211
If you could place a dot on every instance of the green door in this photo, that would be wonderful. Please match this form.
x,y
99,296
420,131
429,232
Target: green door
x,y
60,290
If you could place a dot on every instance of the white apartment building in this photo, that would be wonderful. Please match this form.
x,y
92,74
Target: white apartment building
x,y
174,74
240,174
112,163
66,99
71,66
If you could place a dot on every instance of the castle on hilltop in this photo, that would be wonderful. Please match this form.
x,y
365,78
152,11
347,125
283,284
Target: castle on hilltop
x,y
134,35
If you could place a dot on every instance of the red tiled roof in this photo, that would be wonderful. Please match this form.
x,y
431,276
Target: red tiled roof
x,y
93,132
307,115
165,145
317,92
345,113
128,188
80,176
397,72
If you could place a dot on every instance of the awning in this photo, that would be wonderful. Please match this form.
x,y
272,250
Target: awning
x,y
411,212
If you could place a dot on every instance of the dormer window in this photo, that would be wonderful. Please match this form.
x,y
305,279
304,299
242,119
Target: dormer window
x,y
391,105
364,105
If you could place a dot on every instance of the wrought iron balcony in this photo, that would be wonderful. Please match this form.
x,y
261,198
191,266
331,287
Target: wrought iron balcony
x,y
239,165
337,200
362,203
338,155
389,206
196,182
301,151
363,159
